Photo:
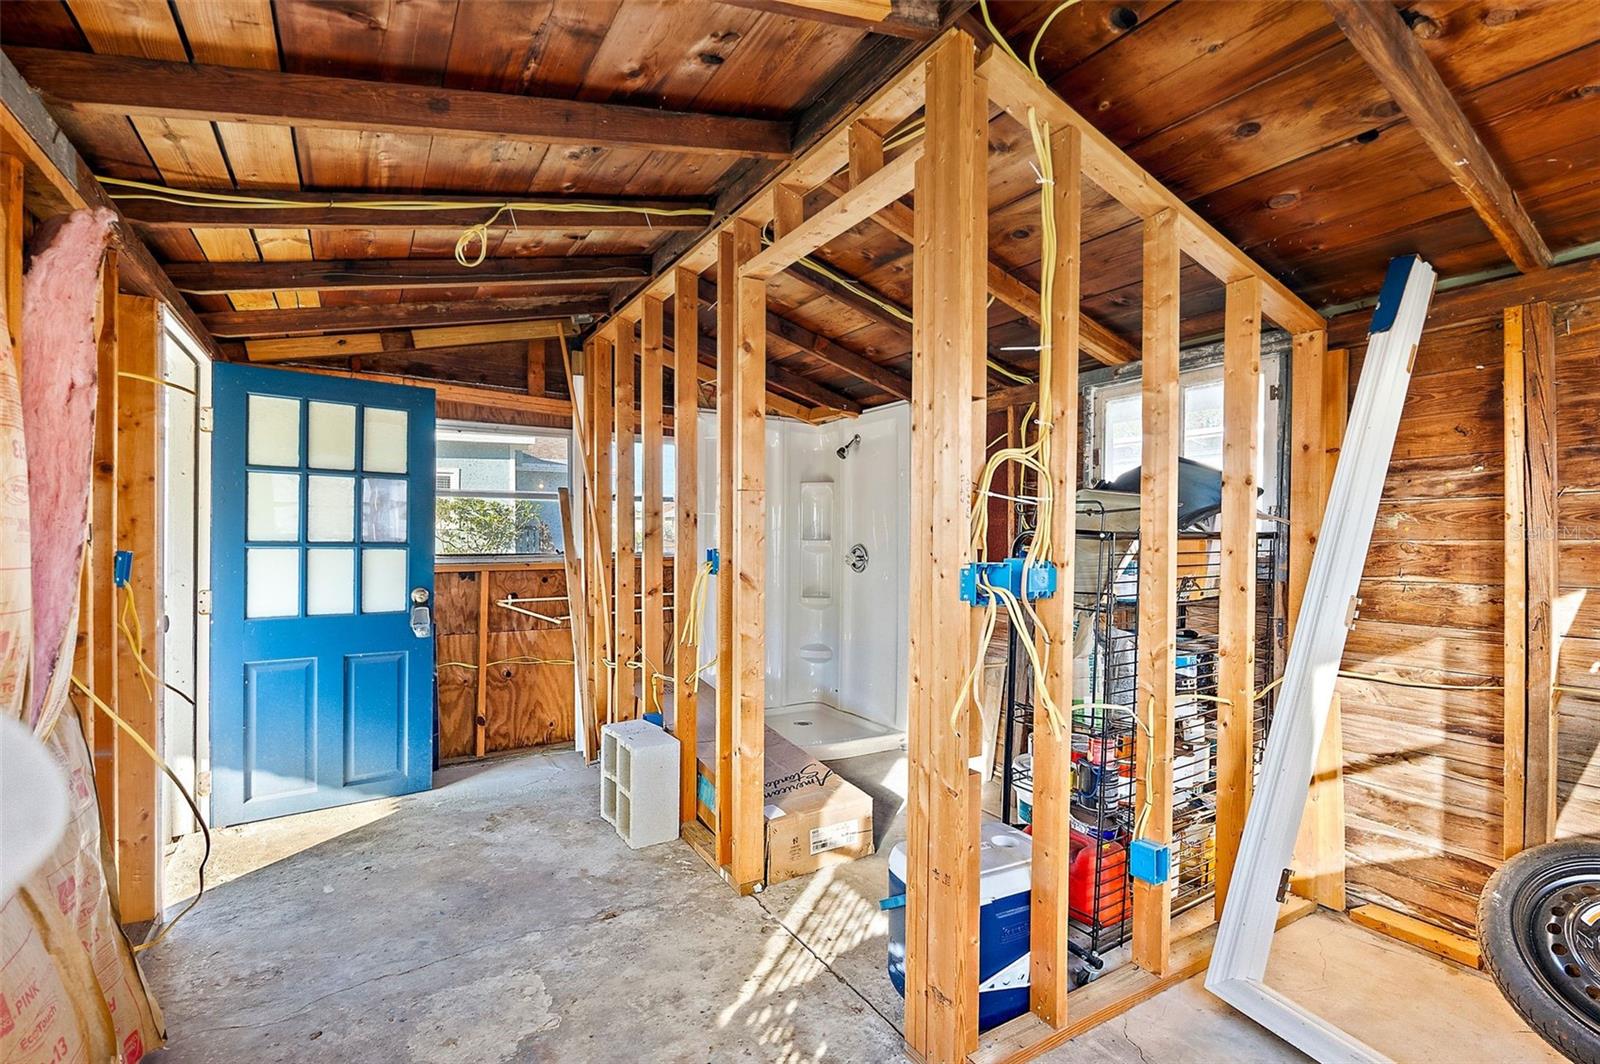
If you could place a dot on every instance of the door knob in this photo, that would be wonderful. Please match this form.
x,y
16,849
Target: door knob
x,y
858,558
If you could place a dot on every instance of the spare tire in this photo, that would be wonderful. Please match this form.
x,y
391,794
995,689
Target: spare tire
x,y
1539,930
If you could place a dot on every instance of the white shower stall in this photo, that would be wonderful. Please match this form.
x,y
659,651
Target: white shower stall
x,y
838,517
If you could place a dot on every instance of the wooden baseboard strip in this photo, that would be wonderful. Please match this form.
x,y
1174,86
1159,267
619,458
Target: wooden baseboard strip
x,y
1027,1036
1419,933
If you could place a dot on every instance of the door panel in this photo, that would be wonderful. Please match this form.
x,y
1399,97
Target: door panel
x,y
322,542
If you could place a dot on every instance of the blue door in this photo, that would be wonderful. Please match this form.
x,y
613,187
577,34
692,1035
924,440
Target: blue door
x,y
322,592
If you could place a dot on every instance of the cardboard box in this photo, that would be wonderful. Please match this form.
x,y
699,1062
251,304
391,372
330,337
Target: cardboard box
x,y
814,817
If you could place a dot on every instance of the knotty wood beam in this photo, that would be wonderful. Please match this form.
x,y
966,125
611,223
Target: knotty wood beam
x,y
899,18
117,85
437,342
307,320
1099,342
625,553
946,447
1542,484
601,416
1236,608
1050,959
729,253
1382,38
537,354
749,567
1158,581
1513,809
317,210
652,581
219,278
686,562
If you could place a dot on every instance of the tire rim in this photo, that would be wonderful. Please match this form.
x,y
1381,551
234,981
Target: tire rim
x,y
1561,937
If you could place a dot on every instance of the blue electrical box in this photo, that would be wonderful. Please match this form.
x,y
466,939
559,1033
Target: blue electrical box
x,y
122,568
1150,861
715,559
1015,575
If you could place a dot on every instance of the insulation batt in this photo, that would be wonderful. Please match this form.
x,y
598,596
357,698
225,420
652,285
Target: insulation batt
x,y
60,300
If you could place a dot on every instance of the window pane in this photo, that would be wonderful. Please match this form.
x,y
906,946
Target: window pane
x,y
383,580
272,503
497,526
383,440
330,580
1202,423
273,431
272,582
331,436
383,510
1123,436
330,509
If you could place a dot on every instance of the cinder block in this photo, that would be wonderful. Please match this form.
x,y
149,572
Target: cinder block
x,y
639,782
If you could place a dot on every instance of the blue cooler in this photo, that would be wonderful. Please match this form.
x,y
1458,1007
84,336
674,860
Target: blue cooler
x,y
1005,882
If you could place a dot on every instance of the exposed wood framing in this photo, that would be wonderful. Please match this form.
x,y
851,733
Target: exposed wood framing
x,y
747,573
1514,410
11,226
686,563
1425,936
1541,484
119,85
652,579
344,210
1158,583
1016,89
480,715
440,341
1391,51
459,393
1320,848
140,842
1236,643
1050,959
902,18
536,370
946,442
245,323
577,597
217,278
103,603
731,250
602,420
625,551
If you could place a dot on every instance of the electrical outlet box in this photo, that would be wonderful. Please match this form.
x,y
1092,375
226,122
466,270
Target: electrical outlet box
x,y
1015,575
1150,861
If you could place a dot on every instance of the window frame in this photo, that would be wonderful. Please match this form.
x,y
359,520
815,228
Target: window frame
x,y
511,433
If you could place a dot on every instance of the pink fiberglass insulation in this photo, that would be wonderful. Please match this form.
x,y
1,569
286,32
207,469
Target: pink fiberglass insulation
x,y
60,295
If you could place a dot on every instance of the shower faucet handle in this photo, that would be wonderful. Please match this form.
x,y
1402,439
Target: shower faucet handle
x,y
858,558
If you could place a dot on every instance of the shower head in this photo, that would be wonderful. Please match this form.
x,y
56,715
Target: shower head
x,y
844,452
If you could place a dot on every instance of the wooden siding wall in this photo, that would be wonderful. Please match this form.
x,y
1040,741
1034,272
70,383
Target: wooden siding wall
x,y
1425,768
524,704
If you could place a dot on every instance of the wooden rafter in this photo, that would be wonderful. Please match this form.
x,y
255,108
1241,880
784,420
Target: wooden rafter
x,y
242,323
118,85
345,210
448,391
900,18
216,278
1380,35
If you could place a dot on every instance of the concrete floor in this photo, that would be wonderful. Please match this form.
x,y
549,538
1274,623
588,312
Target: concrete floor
x,y
497,918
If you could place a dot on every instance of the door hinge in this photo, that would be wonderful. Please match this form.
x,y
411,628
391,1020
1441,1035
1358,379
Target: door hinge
x,y
202,602
1272,392
202,785
205,418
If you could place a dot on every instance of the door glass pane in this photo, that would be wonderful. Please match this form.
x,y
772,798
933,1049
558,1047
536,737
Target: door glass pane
x,y
383,440
383,580
272,582
272,502
330,580
383,510
330,509
331,436
272,431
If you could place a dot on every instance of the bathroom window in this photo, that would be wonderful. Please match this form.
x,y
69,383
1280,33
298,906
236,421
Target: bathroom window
x,y
497,490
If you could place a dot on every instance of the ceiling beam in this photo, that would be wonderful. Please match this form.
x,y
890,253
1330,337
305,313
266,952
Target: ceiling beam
x,y
307,320
1386,43
785,380
100,84
447,391
917,19
358,210
1099,342
219,278
436,341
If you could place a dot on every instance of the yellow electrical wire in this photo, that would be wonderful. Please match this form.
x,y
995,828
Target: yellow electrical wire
x,y
156,380
188,798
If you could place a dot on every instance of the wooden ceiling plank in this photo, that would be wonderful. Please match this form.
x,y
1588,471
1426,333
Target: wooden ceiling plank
x,y
359,274
899,18
179,90
310,320
1378,32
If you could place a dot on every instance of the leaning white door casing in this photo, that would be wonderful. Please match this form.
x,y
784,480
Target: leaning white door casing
x,y
1244,939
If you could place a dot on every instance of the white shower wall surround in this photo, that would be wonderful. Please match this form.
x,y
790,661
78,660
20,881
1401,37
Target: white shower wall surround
x,y
836,637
